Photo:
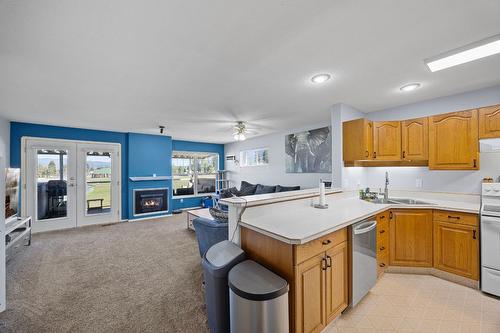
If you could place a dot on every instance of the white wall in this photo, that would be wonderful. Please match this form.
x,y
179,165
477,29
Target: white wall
x,y
438,181
275,172
4,161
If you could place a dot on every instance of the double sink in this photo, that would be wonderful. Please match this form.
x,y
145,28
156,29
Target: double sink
x,y
399,201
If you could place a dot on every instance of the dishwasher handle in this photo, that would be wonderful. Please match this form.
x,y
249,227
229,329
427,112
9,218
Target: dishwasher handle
x,y
364,227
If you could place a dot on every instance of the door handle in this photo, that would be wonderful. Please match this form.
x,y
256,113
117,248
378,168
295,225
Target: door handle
x,y
326,242
374,154
454,217
370,227
474,234
382,248
323,264
404,154
367,153
328,261
71,184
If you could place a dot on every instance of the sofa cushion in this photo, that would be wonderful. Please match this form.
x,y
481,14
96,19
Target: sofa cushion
x,y
247,189
229,192
261,189
280,188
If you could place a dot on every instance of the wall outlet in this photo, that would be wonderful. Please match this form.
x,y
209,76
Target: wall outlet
x,y
419,183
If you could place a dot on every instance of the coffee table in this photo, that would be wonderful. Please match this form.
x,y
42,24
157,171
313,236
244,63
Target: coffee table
x,y
194,213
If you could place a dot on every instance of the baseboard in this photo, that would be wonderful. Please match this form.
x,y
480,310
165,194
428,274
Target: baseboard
x,y
149,218
434,272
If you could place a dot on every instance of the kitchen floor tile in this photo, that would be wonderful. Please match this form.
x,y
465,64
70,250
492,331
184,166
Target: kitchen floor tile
x,y
420,303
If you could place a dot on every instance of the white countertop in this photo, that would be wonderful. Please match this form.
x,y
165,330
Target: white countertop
x,y
296,222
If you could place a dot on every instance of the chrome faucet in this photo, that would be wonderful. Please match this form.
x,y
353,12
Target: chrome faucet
x,y
386,190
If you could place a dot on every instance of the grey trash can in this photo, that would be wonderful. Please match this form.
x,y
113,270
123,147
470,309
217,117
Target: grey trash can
x,y
258,300
217,262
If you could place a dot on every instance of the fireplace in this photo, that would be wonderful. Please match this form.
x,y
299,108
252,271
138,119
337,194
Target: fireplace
x,y
150,201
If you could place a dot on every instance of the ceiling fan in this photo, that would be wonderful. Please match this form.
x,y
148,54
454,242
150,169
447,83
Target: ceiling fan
x,y
240,129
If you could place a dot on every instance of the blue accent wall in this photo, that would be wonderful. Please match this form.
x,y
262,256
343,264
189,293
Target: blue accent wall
x,y
141,155
148,155
181,145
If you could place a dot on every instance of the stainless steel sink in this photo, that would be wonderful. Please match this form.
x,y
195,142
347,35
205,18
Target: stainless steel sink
x,y
399,201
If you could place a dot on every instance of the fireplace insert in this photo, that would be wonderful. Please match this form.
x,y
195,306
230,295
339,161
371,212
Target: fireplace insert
x,y
150,201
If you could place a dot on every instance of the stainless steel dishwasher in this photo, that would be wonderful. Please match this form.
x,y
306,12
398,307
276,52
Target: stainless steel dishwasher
x,y
364,258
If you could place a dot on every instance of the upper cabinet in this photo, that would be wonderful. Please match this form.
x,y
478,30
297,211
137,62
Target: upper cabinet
x,y
453,141
387,140
358,140
415,139
489,122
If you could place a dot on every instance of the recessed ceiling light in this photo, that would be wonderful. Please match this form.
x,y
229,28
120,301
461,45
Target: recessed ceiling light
x,y
321,78
410,87
462,55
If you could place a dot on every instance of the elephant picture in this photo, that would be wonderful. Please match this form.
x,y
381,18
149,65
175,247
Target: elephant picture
x,y
309,151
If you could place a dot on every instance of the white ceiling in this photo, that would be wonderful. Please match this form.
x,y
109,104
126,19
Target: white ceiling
x,y
198,66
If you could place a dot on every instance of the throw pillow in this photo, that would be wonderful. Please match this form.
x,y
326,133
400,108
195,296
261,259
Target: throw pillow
x,y
247,188
228,192
218,214
261,189
280,188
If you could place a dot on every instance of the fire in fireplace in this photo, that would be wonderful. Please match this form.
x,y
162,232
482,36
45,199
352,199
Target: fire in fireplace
x,y
149,201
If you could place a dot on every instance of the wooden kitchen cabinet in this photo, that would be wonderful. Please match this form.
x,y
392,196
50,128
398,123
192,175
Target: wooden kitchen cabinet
x,y
317,271
410,233
382,242
357,140
387,140
453,141
310,295
489,122
337,281
456,244
415,139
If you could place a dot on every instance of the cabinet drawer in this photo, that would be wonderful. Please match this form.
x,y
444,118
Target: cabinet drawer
x,y
382,246
455,217
315,247
382,264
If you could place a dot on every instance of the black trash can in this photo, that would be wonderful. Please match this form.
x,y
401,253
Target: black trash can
x,y
217,262
258,300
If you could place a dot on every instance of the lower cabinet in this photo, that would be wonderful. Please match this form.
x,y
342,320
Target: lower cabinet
x,y
382,242
318,273
456,249
410,238
310,295
322,291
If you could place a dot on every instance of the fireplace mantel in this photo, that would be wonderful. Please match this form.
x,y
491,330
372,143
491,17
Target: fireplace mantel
x,y
148,178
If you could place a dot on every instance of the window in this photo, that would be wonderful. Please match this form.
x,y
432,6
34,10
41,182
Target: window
x,y
194,172
254,157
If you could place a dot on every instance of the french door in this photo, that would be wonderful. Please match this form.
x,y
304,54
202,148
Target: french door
x,y
70,184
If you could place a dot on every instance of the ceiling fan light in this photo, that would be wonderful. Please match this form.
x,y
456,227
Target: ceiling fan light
x,y
239,136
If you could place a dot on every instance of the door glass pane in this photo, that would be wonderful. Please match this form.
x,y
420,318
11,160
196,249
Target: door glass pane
x,y
98,182
52,176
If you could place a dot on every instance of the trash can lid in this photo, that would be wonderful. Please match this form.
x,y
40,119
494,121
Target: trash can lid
x,y
252,281
223,253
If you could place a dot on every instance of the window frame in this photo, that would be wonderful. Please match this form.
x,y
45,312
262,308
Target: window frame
x,y
255,150
195,172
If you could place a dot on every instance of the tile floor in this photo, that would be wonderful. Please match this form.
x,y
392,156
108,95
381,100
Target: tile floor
x,y
420,303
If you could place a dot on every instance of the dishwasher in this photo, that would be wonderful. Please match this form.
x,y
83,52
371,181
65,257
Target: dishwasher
x,y
364,258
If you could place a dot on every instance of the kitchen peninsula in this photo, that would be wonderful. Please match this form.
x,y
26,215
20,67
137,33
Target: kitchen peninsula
x,y
311,248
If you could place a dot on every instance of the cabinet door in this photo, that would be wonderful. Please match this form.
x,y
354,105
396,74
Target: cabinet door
x,y
410,238
453,141
336,281
415,139
310,295
489,122
357,140
387,140
456,249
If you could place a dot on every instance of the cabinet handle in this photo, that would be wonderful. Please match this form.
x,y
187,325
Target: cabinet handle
x,y
473,234
328,261
382,231
404,154
382,265
326,242
367,153
374,154
382,248
382,217
454,217
475,163
323,264
390,215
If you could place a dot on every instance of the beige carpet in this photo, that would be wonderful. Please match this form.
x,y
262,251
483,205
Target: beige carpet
x,y
140,276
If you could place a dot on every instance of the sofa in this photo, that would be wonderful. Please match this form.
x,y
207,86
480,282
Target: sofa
x,y
210,231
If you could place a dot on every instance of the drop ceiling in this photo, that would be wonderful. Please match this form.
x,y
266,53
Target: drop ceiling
x,y
199,66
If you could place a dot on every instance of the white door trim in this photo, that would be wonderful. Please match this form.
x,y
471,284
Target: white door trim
x,y
24,171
